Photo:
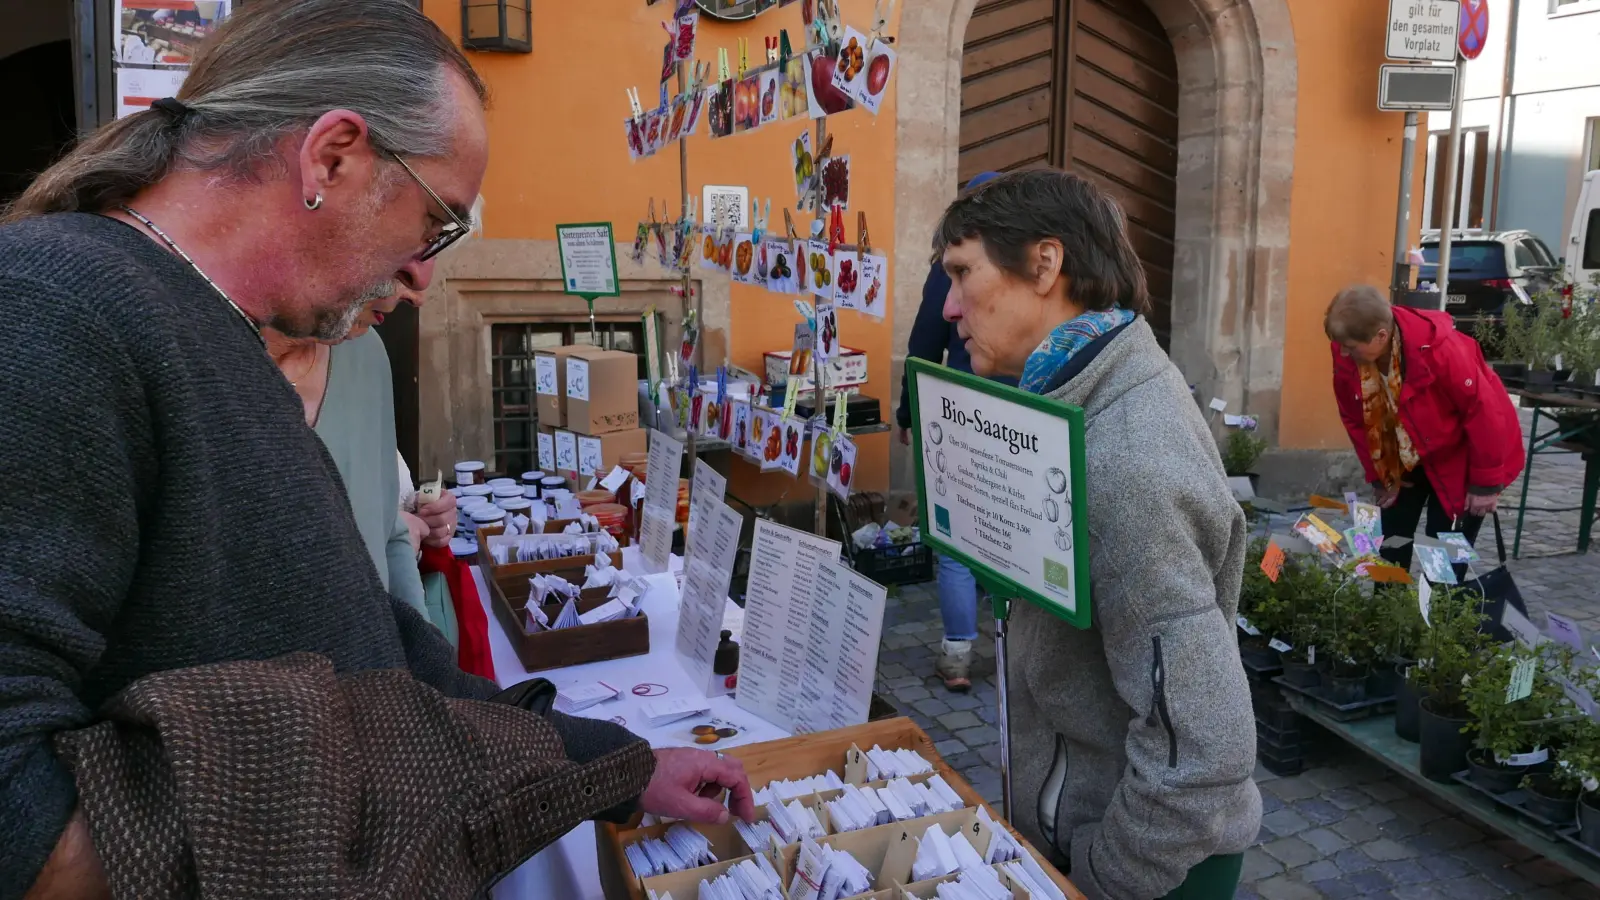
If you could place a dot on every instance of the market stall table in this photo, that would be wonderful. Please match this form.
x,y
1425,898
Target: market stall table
x,y
1581,439
569,868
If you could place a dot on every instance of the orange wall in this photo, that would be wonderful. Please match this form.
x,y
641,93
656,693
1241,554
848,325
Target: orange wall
x,y
1347,172
558,155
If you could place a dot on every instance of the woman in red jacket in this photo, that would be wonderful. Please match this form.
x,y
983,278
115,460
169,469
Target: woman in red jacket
x,y
1431,422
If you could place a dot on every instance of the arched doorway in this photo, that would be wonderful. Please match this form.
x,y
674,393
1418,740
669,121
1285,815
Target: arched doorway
x,y
1090,86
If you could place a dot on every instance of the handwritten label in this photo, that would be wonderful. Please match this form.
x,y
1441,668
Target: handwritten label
x,y
1565,631
1272,561
1521,684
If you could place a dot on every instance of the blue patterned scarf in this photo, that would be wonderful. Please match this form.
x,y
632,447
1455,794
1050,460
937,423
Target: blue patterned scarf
x,y
1055,351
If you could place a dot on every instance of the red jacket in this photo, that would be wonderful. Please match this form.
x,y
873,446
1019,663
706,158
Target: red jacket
x,y
1458,414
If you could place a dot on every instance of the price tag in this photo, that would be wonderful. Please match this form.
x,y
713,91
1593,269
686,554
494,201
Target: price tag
x,y
1272,561
1311,655
1247,628
1521,684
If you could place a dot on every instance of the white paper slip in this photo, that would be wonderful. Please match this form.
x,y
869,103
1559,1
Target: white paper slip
x,y
582,696
609,611
618,477
670,709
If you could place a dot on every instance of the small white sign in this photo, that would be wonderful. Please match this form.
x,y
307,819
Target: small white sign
x,y
547,451
589,453
726,206
566,451
577,379
1423,29
544,375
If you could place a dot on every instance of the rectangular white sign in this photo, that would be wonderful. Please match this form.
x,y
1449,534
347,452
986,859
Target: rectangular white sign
x,y
777,619
588,259
1423,29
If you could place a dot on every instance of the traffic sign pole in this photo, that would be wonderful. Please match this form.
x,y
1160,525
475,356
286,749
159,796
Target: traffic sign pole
x,y
1402,216
1452,170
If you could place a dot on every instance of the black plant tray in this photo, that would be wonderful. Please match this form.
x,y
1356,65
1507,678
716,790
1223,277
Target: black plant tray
x,y
1512,800
1570,835
1340,712
1256,668
1282,739
1282,763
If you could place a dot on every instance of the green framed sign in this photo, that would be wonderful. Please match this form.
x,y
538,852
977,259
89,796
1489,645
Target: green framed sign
x,y
1000,477
588,260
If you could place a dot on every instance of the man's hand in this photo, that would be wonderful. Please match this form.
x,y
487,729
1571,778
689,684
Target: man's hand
x,y
687,783
1481,505
905,436
440,517
73,871
1385,496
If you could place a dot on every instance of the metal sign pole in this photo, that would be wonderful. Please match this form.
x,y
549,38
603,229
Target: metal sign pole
x,y
819,371
1002,612
1451,172
1401,279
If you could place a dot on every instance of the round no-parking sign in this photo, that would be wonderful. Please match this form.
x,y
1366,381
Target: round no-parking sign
x,y
1474,31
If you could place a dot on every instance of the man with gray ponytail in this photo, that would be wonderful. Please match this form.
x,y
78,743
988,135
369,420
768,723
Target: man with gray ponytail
x,y
190,625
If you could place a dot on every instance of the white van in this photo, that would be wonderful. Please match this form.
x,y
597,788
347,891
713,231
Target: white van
x,y
1583,241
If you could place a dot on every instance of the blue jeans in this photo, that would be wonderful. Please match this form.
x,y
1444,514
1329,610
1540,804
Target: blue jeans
x,y
958,600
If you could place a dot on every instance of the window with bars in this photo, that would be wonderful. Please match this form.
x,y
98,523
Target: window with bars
x,y
512,345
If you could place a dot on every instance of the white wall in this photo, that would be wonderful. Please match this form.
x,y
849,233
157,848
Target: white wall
x,y
1556,51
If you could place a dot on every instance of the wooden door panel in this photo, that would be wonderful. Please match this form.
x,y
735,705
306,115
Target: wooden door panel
x,y
1008,82
1015,114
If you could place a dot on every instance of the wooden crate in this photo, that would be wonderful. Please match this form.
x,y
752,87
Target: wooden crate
x,y
508,590
802,756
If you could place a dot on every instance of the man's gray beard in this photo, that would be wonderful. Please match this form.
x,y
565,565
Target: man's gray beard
x,y
331,327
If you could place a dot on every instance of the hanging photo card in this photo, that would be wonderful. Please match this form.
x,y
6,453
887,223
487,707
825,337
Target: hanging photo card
x,y
741,428
719,106
792,102
850,69
781,267
711,420
756,446
821,454
827,332
849,287
771,447
747,103
758,272
669,59
708,249
842,464
654,133
678,116
835,177
822,98
688,25
697,108
869,89
744,259
634,131
793,437
821,271
874,291
769,96
803,164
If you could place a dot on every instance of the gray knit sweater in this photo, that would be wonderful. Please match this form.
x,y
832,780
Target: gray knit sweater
x,y
166,506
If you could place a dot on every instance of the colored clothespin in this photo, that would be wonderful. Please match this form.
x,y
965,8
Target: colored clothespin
x,y
835,228
697,83
722,65
788,224
863,242
633,101
772,49
759,218
881,11
785,51
744,56
830,22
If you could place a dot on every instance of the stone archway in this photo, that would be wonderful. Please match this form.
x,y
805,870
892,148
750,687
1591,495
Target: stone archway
x,y
1235,162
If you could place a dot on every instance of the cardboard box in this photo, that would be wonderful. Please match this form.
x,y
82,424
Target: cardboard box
x,y
848,369
550,385
602,390
599,454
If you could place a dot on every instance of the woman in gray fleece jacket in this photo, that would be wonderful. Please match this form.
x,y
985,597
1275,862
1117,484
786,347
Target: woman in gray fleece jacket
x,y
1133,741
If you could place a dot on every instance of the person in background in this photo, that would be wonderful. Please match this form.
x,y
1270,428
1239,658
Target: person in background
x,y
934,339
1432,424
319,152
1134,739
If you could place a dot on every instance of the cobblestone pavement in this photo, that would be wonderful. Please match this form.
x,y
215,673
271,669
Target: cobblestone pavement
x,y
1347,826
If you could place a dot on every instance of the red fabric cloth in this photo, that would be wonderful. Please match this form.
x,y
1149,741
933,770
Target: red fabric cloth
x,y
472,626
1453,405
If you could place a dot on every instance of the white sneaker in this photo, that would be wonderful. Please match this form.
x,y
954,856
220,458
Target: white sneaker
x,y
955,665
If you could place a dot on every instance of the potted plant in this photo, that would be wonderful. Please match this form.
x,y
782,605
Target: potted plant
x,y
1580,756
1346,629
1513,737
1260,611
1303,586
1452,649
1241,450
1553,794
1395,628
1532,336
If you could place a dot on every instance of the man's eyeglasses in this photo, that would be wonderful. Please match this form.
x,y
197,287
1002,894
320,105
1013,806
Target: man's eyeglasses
x,y
453,230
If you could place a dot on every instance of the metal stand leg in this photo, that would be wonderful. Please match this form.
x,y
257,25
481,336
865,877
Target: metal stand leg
x,y
1591,481
1527,478
1002,612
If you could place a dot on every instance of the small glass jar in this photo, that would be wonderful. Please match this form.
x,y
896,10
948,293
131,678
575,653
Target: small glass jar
x,y
501,482
507,491
612,518
469,471
532,477
464,550
551,483
595,497
489,520
532,491
475,490
517,506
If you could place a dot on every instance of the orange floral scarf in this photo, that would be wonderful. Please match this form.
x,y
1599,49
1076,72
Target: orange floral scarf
x,y
1392,453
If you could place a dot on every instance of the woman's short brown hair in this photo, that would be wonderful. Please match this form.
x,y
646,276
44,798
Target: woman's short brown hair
x,y
1357,314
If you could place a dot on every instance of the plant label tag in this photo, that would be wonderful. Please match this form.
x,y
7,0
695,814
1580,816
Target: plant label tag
x,y
1279,645
1247,628
1219,404
1424,595
1272,561
1521,684
1565,631
1531,758
1311,655
1518,624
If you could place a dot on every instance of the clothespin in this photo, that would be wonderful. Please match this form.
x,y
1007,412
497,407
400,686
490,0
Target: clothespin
x,y
744,56
702,71
881,11
788,223
722,64
785,51
863,242
835,228
652,212
772,49
829,25
633,101
759,218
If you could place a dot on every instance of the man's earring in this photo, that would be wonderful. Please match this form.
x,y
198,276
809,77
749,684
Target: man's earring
x,y
314,204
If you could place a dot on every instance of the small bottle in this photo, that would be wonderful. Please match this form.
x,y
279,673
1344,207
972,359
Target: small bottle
x,y
726,662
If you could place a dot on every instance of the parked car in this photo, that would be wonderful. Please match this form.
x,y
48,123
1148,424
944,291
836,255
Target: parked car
x,y
1488,270
1583,242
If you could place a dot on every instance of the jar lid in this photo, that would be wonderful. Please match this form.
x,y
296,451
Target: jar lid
x,y
554,481
596,496
470,502
608,511
476,490
488,513
528,477
514,503
470,465
507,490
501,482
463,546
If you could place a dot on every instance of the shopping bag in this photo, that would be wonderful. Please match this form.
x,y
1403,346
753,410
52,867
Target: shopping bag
x,y
1497,589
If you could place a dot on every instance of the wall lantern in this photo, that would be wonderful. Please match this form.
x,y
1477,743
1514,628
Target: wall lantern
x,y
503,25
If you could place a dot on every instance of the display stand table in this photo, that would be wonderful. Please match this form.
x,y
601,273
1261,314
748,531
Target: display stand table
x,y
1582,438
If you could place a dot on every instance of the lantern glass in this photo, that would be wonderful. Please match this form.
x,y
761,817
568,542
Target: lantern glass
x,y
496,25
517,20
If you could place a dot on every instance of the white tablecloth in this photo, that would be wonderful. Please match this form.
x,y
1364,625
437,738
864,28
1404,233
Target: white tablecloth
x,y
569,869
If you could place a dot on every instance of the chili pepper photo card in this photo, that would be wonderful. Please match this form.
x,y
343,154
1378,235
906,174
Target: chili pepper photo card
x,y
669,59
678,114
688,25
634,131
848,288
697,109
769,79
744,258
781,266
827,332
874,290
719,106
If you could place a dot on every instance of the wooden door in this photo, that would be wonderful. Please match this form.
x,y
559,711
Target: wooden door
x,y
1090,86
399,333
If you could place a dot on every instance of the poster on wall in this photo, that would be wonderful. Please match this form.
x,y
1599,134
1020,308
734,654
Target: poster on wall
x,y
155,43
